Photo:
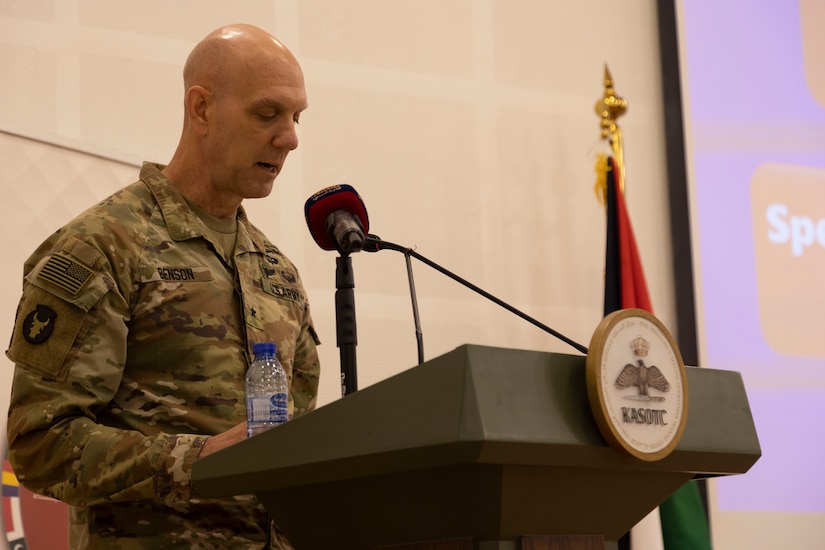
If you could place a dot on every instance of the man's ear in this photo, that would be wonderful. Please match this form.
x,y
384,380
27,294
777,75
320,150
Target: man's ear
x,y
197,104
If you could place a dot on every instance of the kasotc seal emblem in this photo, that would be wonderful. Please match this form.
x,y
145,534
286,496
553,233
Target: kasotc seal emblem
x,y
637,385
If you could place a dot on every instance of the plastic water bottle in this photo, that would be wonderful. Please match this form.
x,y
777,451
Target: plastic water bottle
x,y
266,390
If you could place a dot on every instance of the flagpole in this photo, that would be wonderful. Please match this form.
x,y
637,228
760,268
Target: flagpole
x,y
625,284
681,521
609,108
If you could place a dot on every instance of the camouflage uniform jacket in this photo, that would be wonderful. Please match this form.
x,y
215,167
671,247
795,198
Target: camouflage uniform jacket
x,y
131,342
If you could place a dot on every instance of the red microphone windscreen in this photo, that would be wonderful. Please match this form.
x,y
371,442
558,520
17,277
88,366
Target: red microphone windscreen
x,y
326,201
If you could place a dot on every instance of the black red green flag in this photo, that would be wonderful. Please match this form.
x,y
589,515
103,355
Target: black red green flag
x,y
683,515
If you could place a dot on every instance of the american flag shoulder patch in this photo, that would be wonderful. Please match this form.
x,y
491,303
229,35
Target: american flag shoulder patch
x,y
65,273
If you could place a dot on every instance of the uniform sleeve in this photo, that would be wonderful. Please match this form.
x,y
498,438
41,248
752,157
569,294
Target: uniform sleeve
x,y
306,368
69,350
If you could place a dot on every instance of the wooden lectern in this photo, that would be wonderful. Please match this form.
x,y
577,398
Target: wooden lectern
x,y
482,448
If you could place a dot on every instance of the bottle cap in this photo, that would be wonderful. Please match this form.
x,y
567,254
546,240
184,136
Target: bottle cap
x,y
264,348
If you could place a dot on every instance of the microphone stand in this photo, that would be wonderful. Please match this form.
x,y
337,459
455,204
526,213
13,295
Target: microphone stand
x,y
347,334
419,337
373,243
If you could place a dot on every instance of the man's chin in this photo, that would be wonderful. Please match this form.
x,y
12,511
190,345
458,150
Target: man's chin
x,y
259,192
261,183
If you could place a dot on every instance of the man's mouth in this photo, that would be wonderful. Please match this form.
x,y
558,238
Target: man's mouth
x,y
271,168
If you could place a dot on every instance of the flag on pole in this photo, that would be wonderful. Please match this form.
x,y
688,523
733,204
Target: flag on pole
x,y
624,281
683,516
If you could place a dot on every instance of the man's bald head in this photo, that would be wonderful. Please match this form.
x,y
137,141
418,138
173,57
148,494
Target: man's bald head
x,y
233,50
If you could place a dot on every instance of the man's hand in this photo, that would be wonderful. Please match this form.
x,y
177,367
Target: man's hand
x,y
231,436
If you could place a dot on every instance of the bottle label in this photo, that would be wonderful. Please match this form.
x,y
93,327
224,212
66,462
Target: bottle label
x,y
272,408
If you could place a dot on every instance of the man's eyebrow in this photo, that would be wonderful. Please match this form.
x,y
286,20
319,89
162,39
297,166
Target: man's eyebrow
x,y
271,102
266,102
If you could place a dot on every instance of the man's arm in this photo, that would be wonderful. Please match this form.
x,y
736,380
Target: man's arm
x,y
221,441
70,351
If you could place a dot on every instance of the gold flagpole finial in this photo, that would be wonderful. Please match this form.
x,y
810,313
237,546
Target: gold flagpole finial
x,y
610,107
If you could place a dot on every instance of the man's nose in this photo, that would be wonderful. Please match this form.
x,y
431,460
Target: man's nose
x,y
286,136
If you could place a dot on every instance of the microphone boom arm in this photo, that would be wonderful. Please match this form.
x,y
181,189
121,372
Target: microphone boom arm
x,y
373,243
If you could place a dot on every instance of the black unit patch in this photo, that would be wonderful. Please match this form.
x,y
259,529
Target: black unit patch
x,y
39,324
271,255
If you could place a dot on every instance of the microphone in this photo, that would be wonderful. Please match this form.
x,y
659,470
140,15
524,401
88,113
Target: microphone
x,y
374,244
337,218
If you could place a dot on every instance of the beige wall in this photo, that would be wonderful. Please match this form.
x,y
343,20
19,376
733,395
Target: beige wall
x,y
468,127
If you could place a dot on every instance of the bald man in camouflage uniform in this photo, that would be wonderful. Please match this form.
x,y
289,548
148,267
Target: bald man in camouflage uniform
x,y
138,318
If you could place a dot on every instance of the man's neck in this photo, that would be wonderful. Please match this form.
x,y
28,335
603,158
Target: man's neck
x,y
191,185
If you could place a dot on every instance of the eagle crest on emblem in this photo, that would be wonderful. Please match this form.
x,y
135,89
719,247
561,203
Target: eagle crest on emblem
x,y
643,377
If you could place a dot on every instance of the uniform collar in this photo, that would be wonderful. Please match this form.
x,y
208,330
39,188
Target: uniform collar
x,y
181,222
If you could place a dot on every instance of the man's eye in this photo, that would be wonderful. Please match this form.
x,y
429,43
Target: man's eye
x,y
267,115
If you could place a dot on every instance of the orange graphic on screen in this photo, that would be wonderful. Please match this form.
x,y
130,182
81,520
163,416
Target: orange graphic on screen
x,y
812,18
788,210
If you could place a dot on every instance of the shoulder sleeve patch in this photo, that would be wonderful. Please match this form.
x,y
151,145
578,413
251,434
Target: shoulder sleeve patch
x,y
39,324
54,312
45,333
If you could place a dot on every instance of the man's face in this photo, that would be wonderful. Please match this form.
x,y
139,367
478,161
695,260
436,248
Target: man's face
x,y
253,128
